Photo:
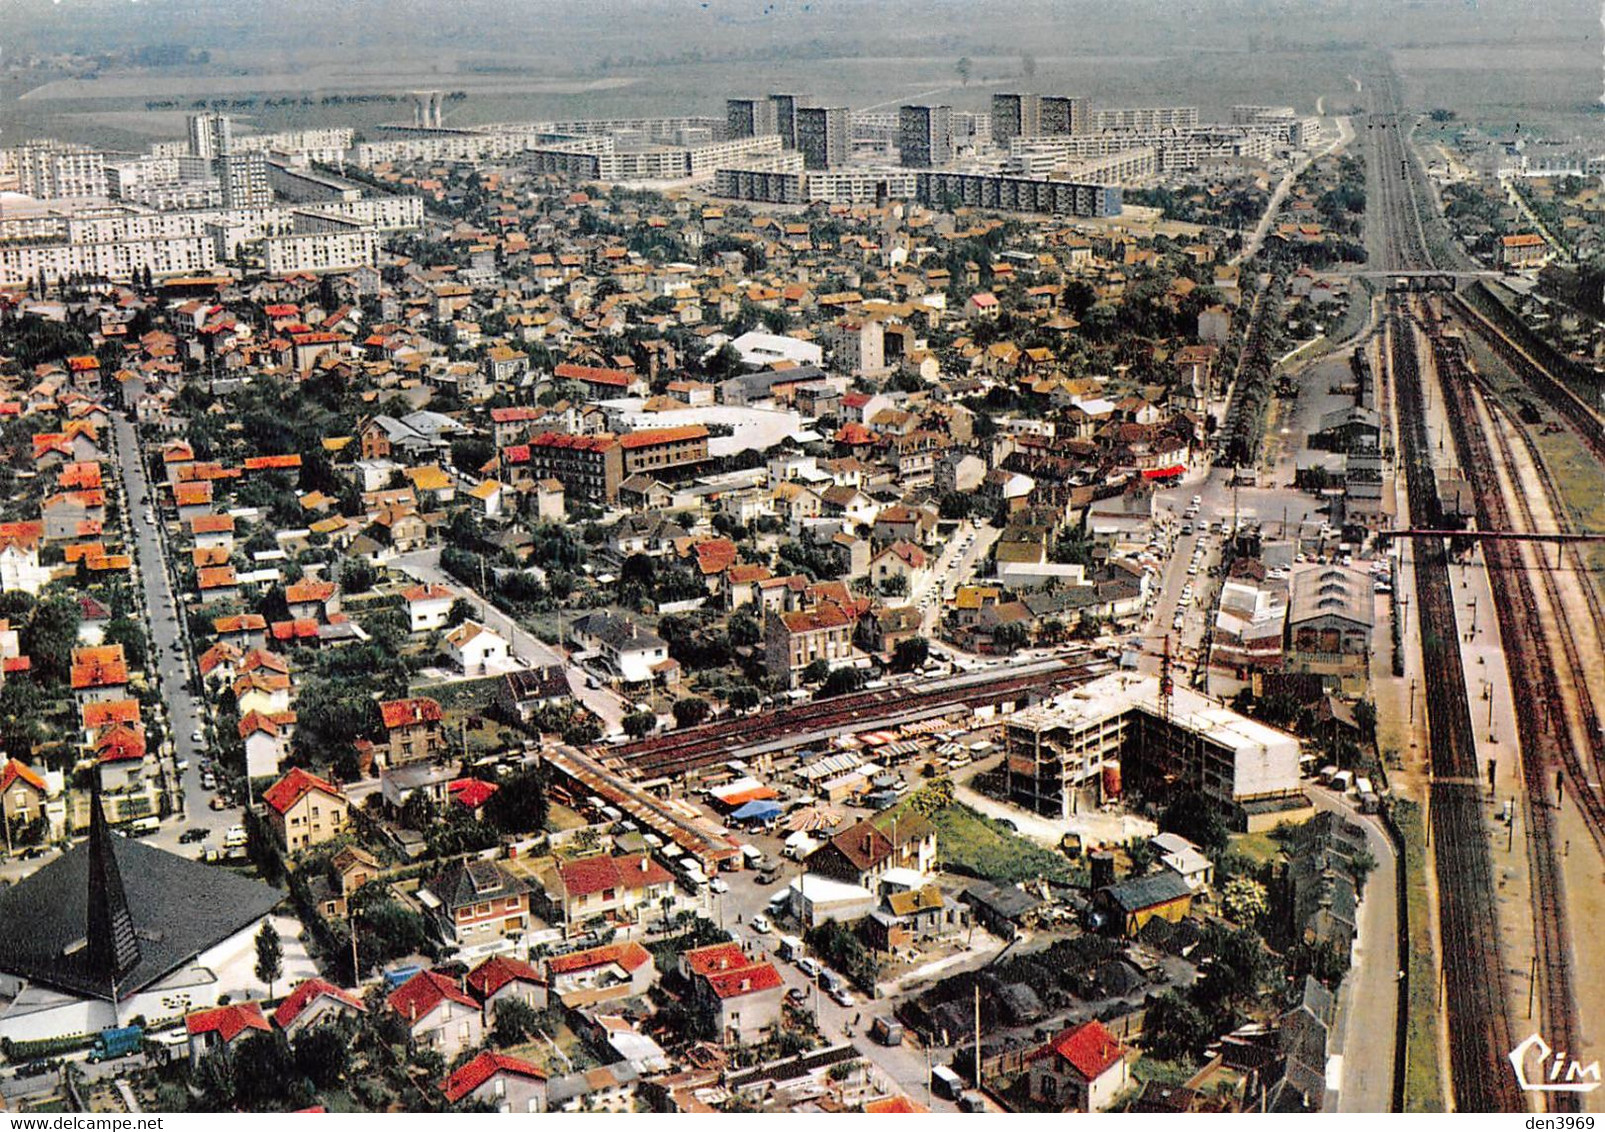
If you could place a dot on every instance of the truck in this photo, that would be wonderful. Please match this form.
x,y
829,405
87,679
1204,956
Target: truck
x,y
791,947
886,1030
116,1041
946,1082
1367,795
399,975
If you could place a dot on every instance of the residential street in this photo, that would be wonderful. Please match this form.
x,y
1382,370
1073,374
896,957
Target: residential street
x,y
169,654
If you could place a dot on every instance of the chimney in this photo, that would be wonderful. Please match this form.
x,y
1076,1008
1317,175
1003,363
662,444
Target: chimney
x,y
645,861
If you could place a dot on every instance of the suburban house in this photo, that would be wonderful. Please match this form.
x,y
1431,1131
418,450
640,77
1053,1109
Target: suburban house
x,y
508,1084
526,691
793,641
598,974
502,978
1082,1069
623,889
315,1002
475,649
861,853
412,730
221,1025
477,902
439,1015
428,607
305,810
632,654
738,997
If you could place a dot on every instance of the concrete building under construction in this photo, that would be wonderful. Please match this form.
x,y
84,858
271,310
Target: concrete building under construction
x,y
1075,750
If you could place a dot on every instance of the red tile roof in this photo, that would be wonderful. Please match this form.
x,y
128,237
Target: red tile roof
x,y
752,979
306,994
296,785
404,713
597,874
228,1022
1089,1049
481,1069
593,375
631,956
499,970
425,991
471,793
647,437
14,770
899,1103
716,958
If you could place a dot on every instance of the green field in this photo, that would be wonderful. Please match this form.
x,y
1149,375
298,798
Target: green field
x,y
977,845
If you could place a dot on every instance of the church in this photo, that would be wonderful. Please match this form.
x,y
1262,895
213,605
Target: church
x,y
114,929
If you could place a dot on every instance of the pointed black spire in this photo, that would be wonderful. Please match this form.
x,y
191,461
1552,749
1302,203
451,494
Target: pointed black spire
x,y
113,949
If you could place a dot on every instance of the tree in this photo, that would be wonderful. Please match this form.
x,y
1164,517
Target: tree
x,y
964,67
1244,900
269,955
843,681
516,1022
322,1055
911,653
1142,855
1362,864
461,610
52,634
1193,816
640,724
582,732
1174,1029
690,711
743,629
743,697
816,671
125,631
1008,637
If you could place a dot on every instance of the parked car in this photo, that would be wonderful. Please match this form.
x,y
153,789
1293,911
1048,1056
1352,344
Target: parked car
x,y
841,996
796,996
718,885
191,835
235,837
760,923
809,966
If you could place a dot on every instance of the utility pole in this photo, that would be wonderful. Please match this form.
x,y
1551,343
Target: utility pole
x,y
977,1035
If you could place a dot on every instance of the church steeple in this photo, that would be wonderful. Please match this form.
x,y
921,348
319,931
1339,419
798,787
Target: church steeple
x,y
113,948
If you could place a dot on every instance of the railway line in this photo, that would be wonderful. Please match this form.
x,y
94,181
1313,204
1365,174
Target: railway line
x,y
1545,734
682,752
1475,986
1474,973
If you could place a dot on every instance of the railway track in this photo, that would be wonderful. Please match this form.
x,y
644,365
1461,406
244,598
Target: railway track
x,y
682,752
1545,738
1474,973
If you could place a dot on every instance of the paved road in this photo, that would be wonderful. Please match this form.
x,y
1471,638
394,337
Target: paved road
x,y
169,646
964,552
1367,1009
424,565
1345,135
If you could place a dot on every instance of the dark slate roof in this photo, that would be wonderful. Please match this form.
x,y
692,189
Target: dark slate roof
x,y
474,882
179,909
1144,892
1005,900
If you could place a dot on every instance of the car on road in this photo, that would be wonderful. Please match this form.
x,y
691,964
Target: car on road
x,y
181,765
190,835
809,966
196,737
841,996
235,837
767,876
718,885
760,923
796,996
33,1069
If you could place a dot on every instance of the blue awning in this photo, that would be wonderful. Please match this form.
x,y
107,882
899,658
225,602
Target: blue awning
x,y
757,811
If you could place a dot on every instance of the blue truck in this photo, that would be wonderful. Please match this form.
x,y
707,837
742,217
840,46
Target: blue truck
x,y
115,1042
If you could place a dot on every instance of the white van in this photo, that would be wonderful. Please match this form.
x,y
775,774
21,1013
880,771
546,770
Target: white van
x,y
143,826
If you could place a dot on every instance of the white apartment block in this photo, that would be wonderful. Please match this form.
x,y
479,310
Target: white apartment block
x,y
121,259
1145,118
52,170
320,251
